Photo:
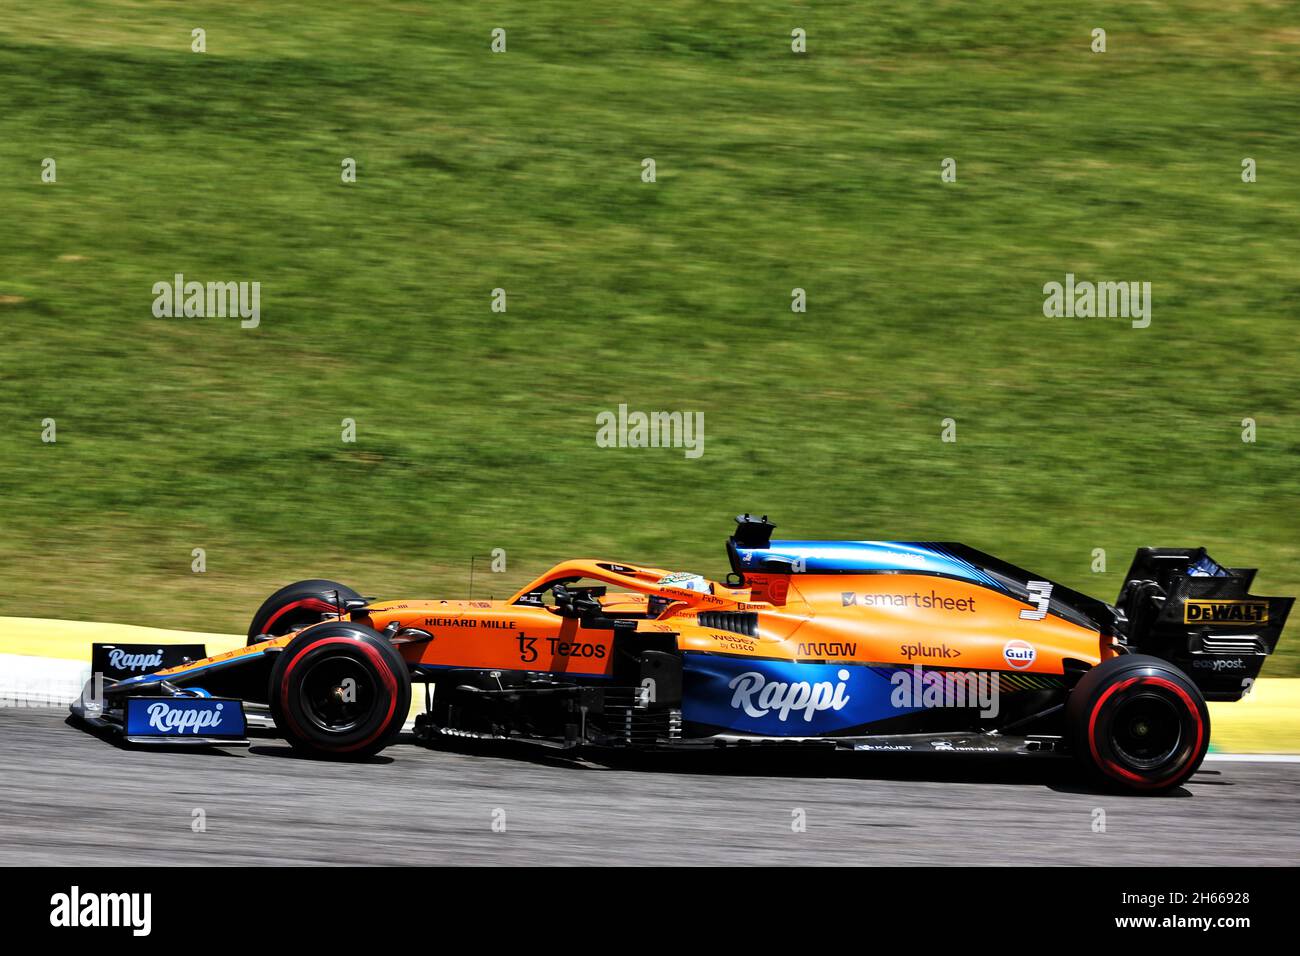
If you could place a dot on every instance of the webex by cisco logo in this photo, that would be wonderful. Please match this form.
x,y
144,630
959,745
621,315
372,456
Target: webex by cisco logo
x,y
77,909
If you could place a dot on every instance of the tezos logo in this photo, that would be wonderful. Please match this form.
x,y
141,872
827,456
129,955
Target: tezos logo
x,y
757,696
168,719
1019,654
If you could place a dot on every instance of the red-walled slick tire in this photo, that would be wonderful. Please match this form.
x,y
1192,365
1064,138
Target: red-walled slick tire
x,y
340,690
1139,723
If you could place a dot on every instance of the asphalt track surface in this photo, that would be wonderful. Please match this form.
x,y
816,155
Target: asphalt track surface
x,y
70,798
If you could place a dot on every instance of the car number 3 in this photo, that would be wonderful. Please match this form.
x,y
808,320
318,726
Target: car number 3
x,y
1040,592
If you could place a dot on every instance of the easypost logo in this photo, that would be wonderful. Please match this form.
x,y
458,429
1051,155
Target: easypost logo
x,y
1218,664
77,909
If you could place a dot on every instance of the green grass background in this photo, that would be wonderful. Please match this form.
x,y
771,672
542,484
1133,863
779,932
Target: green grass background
x,y
476,430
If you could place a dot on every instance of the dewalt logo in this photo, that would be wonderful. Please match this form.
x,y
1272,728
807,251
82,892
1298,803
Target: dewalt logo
x,y
1225,612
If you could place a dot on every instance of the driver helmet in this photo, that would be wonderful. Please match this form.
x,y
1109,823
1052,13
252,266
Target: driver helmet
x,y
678,579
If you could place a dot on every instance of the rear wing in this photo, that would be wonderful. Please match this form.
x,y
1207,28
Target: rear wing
x,y
1184,606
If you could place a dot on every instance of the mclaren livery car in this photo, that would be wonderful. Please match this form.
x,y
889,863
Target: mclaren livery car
x,y
856,645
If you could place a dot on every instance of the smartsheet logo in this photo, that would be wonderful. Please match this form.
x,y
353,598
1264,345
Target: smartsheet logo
x,y
76,909
651,430
1084,300
195,300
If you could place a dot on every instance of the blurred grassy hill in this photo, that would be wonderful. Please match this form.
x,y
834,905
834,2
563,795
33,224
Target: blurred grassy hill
x,y
476,430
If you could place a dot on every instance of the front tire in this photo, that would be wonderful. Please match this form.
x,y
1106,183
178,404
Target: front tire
x,y
1139,723
340,690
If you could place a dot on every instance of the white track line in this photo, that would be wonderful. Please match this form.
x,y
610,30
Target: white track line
x,y
1255,758
40,681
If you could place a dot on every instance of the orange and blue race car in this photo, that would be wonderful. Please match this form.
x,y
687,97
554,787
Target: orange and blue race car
x,y
867,646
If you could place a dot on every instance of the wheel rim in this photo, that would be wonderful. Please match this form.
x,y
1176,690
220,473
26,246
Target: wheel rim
x,y
1146,730
337,694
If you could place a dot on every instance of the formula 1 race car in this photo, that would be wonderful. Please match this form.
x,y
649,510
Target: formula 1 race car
x,y
856,645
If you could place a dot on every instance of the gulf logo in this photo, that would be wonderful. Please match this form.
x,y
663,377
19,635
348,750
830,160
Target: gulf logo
x,y
1019,654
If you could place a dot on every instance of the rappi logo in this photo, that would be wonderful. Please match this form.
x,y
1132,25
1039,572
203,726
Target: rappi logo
x,y
757,696
1019,654
121,660
178,720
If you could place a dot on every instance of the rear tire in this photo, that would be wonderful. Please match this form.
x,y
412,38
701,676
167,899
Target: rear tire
x,y
1138,723
340,690
297,605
